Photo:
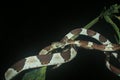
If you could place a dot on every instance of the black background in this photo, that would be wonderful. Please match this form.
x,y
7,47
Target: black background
x,y
28,27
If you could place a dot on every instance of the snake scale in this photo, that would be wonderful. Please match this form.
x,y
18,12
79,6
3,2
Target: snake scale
x,y
51,55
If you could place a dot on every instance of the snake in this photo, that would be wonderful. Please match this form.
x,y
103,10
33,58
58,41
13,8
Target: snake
x,y
63,51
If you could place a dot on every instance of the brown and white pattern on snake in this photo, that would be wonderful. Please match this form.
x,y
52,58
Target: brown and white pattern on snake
x,y
39,61
95,35
53,46
113,68
61,58
50,59
86,32
77,32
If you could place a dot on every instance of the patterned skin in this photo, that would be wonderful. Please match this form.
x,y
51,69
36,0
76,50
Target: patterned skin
x,y
51,56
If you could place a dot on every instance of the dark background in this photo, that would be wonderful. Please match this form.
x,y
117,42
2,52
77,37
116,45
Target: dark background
x,y
28,27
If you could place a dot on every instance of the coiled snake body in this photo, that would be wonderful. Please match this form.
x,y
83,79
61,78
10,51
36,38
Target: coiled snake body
x,y
48,56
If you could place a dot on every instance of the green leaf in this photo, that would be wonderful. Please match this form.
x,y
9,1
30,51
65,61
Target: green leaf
x,y
37,74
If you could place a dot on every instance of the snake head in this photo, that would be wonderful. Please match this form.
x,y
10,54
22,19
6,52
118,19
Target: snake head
x,y
58,45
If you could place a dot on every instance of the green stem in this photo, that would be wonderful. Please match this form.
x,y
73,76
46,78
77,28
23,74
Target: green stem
x,y
91,23
109,20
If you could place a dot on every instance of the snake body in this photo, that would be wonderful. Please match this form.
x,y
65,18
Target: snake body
x,y
48,57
